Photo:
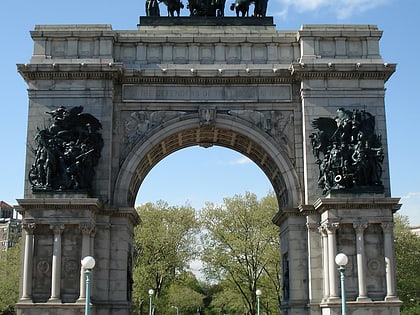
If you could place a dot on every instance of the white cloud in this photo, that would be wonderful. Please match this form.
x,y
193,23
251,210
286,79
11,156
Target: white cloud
x,y
241,161
343,9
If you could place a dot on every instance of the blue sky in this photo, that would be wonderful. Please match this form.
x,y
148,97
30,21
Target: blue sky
x,y
196,175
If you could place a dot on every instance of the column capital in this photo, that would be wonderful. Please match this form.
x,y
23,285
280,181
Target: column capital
x,y
331,227
387,227
57,228
86,228
312,226
360,226
29,227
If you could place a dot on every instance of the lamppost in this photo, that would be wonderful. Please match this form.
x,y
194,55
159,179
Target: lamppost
x,y
177,311
341,260
151,292
88,263
258,294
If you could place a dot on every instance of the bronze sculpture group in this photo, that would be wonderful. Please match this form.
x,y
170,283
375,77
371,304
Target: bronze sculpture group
x,y
207,7
66,152
347,150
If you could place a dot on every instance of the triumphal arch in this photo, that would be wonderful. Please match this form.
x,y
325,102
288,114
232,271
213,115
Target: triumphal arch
x,y
307,106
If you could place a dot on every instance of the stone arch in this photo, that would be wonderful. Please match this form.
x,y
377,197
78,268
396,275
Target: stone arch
x,y
229,132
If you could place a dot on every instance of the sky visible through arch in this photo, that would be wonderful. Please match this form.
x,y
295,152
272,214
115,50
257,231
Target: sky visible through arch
x,y
217,167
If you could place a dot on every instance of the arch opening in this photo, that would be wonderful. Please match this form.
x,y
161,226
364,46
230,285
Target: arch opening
x,y
270,157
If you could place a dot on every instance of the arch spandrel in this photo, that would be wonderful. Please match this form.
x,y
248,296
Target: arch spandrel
x,y
229,132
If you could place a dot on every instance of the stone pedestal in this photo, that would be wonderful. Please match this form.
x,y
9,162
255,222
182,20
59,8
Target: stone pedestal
x,y
58,233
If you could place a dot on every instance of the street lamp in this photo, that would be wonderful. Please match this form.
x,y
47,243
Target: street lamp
x,y
177,311
88,263
151,292
341,260
258,293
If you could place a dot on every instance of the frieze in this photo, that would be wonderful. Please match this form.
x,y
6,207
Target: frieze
x,y
221,93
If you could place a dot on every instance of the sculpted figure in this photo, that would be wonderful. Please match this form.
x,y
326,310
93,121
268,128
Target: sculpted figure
x,y
174,6
67,151
347,150
241,7
152,8
260,9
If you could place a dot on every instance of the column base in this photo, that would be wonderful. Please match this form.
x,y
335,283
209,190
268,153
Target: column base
x,y
26,300
54,300
363,299
333,299
392,298
81,300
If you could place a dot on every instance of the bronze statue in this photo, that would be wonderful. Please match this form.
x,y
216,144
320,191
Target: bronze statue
x,y
152,8
241,7
66,152
174,6
206,7
347,150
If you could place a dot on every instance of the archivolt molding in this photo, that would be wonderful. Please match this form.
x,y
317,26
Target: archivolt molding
x,y
227,132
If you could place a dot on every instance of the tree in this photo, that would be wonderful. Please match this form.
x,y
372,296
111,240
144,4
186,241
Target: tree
x,y
185,294
164,243
407,256
241,247
9,279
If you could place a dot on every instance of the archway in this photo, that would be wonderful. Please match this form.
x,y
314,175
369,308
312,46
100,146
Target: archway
x,y
230,133
161,88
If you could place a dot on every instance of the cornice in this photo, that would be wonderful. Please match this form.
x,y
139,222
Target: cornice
x,y
342,71
324,204
92,204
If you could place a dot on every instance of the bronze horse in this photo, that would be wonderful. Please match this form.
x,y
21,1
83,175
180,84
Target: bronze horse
x,y
173,6
260,9
206,7
241,7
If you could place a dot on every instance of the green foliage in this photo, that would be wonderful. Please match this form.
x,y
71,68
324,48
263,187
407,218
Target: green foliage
x,y
9,279
164,243
241,249
407,257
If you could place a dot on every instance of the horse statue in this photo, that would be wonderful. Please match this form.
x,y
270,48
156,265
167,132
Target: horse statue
x,y
219,5
241,7
206,7
173,6
260,8
152,8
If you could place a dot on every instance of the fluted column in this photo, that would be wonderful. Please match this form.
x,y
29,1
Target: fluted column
x,y
56,263
389,260
325,262
86,230
27,262
360,227
332,251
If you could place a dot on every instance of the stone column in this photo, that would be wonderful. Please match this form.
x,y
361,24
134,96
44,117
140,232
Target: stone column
x,y
361,263
325,262
27,262
56,263
332,251
86,230
388,228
